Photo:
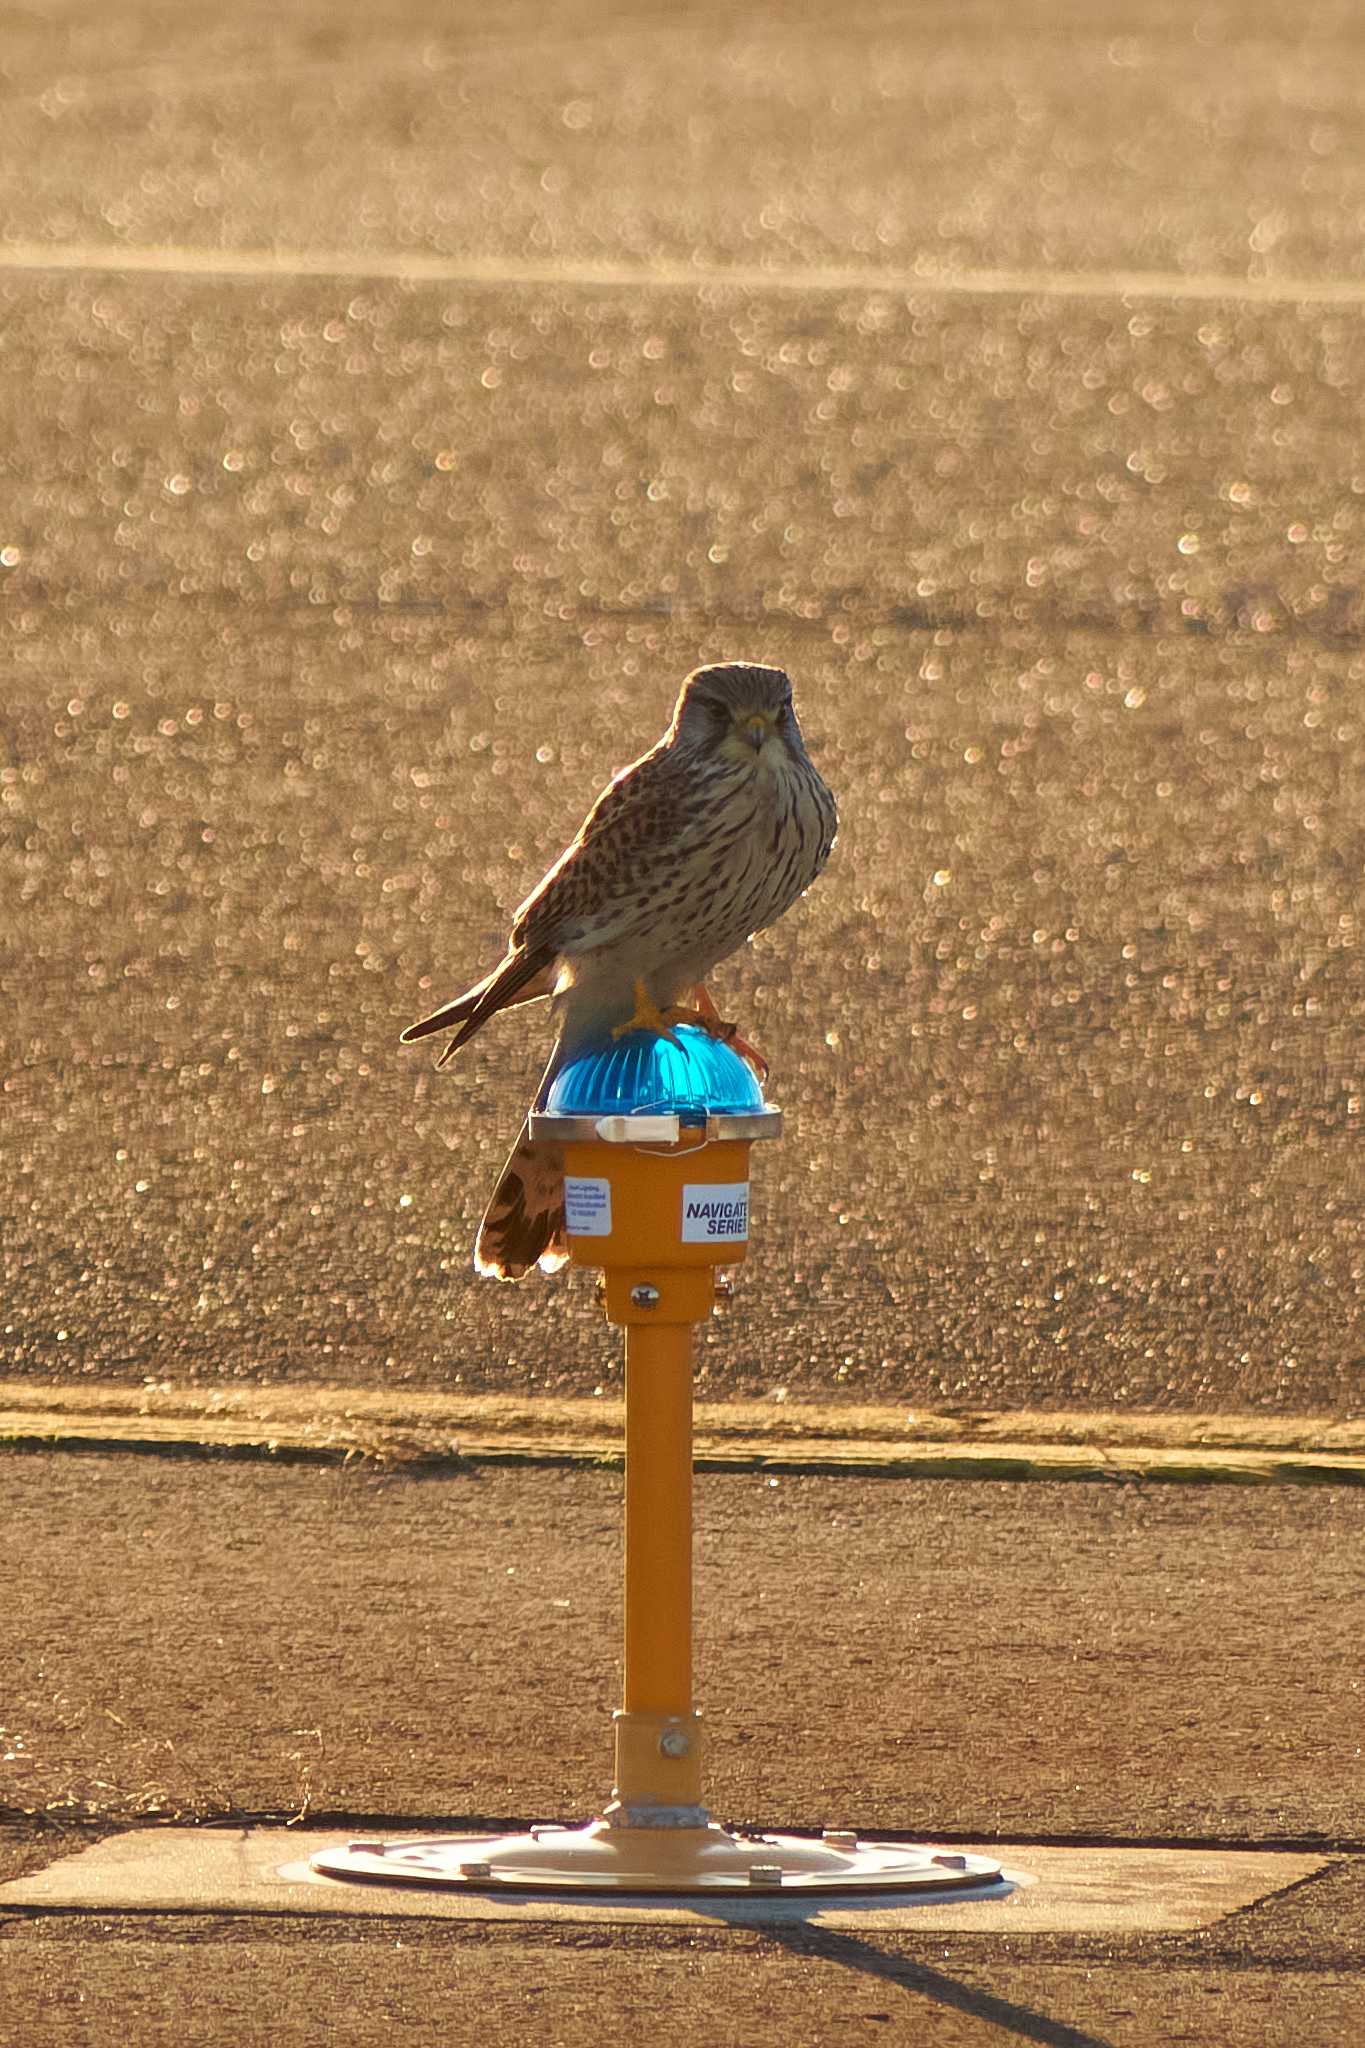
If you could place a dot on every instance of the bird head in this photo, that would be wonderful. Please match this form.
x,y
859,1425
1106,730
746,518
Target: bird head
x,y
737,709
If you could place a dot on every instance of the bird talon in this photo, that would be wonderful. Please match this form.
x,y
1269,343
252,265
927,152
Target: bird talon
x,y
752,1058
678,1013
649,1017
716,1026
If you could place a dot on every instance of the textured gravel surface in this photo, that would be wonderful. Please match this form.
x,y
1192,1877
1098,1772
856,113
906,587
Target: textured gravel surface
x,y
328,604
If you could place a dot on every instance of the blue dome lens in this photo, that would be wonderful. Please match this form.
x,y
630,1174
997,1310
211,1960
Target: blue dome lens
x,y
699,1076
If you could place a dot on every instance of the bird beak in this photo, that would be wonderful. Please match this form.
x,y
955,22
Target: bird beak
x,y
756,729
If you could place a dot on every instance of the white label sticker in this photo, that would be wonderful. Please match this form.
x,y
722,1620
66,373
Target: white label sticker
x,y
712,1213
587,1207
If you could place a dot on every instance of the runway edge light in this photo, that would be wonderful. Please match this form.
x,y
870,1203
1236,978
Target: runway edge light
x,y
656,1134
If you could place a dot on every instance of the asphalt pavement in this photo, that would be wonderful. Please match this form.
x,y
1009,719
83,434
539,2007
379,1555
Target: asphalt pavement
x,y
330,600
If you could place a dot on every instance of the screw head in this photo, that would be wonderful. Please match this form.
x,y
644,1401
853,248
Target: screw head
x,y
644,1296
674,1742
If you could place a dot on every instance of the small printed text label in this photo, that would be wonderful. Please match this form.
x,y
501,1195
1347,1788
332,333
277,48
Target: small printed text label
x,y
587,1207
711,1214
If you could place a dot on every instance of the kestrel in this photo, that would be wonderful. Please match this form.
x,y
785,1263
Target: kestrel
x,y
702,842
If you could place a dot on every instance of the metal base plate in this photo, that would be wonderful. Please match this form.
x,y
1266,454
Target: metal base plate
x,y
603,1858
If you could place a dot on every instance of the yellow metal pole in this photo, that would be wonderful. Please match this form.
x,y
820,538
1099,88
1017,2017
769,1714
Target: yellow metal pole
x,y
658,1660
658,1263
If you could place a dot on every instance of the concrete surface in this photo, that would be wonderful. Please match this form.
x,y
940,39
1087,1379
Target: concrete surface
x,y
1047,1891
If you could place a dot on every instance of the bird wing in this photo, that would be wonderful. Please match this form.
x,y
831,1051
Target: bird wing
x,y
505,986
590,895
513,980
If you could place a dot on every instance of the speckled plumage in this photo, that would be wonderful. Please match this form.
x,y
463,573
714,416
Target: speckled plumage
x,y
705,840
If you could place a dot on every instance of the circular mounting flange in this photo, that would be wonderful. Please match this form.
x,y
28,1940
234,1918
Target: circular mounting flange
x,y
603,1858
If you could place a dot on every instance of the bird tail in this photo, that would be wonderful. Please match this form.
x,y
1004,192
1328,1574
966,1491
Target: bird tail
x,y
523,1225
520,978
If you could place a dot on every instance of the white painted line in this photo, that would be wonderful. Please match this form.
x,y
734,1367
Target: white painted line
x,y
415,268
